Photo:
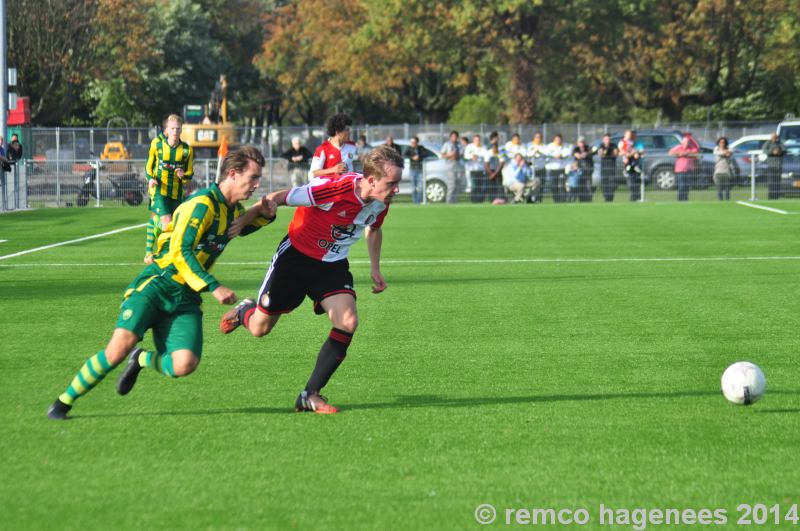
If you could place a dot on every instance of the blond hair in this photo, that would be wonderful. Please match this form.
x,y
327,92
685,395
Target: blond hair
x,y
376,160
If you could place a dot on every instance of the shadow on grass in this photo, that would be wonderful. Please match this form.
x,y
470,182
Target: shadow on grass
x,y
423,401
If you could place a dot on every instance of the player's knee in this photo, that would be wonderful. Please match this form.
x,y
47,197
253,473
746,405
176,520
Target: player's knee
x,y
348,323
260,329
184,363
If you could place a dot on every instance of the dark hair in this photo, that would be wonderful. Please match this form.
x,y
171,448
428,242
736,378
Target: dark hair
x,y
454,132
338,123
720,139
494,134
378,158
515,135
238,160
415,137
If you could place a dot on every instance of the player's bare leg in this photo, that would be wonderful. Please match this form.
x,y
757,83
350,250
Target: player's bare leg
x,y
245,313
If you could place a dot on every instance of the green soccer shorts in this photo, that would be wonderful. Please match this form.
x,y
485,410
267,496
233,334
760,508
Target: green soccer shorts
x,y
159,304
161,205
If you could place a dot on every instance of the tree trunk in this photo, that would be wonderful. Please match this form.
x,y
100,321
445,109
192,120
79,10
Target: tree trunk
x,y
523,92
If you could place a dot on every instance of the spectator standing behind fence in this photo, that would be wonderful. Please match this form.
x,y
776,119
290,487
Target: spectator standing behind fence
x,y
337,154
513,147
362,148
774,151
536,152
583,155
494,160
414,155
3,156
723,170
451,152
299,157
686,152
521,178
631,163
14,149
474,155
558,162
390,142
608,167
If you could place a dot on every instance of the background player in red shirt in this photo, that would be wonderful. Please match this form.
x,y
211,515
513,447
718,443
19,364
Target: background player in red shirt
x,y
336,155
312,261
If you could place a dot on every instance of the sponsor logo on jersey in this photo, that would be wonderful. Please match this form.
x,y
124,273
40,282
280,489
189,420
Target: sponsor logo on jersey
x,y
342,232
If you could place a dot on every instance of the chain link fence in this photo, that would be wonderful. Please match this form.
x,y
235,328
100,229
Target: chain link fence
x,y
62,168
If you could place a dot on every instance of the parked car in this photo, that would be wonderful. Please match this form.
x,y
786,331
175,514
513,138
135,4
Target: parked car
x,y
789,135
746,151
659,165
435,171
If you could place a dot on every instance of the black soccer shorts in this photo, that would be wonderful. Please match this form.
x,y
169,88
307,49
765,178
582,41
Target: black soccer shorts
x,y
292,276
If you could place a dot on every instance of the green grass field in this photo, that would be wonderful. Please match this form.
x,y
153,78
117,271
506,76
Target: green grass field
x,y
548,356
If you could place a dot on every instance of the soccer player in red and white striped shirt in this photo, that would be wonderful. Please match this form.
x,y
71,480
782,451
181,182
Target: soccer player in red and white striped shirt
x,y
336,155
312,261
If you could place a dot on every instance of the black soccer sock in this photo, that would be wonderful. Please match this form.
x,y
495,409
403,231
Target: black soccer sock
x,y
331,355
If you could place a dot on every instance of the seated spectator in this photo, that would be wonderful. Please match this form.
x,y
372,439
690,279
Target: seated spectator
x,y
521,180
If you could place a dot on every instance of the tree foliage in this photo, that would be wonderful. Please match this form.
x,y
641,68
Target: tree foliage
x,y
290,61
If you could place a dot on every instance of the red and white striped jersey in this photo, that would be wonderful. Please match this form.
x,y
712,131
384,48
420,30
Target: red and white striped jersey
x,y
327,156
331,217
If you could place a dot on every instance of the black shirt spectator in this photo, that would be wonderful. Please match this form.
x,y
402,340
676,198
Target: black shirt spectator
x,y
292,155
14,149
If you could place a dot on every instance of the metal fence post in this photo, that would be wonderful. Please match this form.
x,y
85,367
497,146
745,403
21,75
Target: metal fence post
x,y
97,184
269,148
752,177
3,190
16,185
208,183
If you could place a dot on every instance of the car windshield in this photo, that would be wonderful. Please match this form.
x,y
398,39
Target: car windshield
x,y
790,135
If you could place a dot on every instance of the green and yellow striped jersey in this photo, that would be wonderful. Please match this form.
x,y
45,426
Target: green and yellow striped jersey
x,y
196,236
162,162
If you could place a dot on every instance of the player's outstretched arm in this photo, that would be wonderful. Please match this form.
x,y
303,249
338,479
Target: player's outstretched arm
x,y
265,208
374,239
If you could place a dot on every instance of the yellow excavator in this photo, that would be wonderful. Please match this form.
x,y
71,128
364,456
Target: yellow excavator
x,y
204,126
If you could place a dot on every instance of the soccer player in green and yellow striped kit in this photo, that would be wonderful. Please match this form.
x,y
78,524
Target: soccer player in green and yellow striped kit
x,y
169,168
165,297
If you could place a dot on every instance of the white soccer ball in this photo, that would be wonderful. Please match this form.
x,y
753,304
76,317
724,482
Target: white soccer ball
x,y
743,383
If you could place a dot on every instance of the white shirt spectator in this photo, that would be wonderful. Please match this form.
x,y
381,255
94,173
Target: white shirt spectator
x,y
474,157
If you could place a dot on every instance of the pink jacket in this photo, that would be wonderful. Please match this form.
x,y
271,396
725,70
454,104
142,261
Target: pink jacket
x,y
686,156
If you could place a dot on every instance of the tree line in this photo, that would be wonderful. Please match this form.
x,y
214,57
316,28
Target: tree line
x,y
85,62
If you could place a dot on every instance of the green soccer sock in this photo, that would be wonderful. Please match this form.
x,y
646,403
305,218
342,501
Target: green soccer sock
x,y
161,363
90,374
153,230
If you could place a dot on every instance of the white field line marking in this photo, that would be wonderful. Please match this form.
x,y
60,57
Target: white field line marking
x,y
59,244
761,207
464,261
3,241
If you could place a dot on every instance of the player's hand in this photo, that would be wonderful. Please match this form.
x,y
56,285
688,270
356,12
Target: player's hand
x,y
235,228
224,295
152,183
179,173
378,282
340,168
268,207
